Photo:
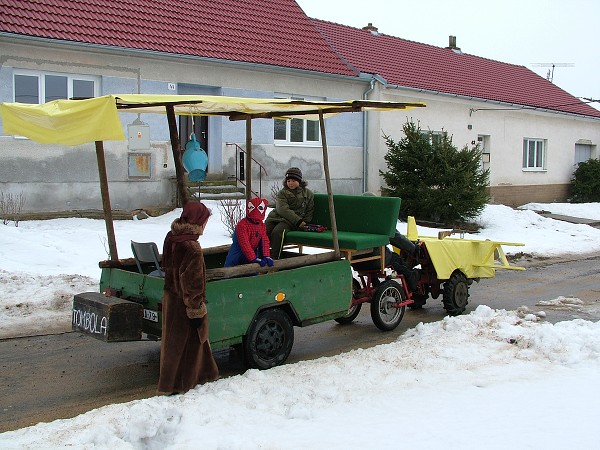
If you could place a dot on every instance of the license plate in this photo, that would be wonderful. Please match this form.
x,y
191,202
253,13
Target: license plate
x,y
150,315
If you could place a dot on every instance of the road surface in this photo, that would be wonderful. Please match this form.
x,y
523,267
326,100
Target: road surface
x,y
62,375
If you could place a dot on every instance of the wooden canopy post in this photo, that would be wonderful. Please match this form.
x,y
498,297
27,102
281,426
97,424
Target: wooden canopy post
x,y
179,169
248,158
334,231
108,219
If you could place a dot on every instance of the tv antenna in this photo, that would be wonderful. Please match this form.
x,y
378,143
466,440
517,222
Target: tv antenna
x,y
550,74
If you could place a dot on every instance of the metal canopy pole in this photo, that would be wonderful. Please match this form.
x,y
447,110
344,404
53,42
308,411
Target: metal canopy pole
x,y
179,170
334,230
108,219
248,158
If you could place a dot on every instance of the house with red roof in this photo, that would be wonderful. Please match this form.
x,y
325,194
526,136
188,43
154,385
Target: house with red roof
x,y
532,132
246,48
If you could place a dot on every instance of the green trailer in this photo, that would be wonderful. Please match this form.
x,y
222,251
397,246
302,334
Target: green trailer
x,y
255,312
250,307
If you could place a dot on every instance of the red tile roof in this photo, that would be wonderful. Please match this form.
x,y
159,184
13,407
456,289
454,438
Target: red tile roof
x,y
421,66
273,32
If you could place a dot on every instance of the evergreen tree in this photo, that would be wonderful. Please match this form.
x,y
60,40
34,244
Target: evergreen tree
x,y
435,180
585,184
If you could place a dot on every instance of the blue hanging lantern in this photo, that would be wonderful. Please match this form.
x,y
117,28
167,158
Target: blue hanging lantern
x,y
195,160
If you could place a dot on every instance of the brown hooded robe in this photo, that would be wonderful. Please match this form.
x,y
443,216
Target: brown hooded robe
x,y
185,355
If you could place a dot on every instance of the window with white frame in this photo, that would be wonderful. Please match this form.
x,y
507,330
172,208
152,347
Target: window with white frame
x,y
296,131
43,87
434,137
534,154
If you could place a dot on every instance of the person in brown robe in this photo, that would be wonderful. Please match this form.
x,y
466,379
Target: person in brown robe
x,y
185,355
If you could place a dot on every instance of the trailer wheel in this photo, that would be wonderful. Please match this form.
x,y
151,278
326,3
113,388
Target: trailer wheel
x,y
353,310
270,340
385,315
456,294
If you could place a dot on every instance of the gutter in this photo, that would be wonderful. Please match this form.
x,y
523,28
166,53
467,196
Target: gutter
x,y
515,106
365,124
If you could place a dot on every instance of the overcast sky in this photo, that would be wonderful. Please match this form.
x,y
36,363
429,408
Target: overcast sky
x,y
520,32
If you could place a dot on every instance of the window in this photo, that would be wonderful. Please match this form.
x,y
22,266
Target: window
x,y
534,154
583,152
296,131
434,137
40,87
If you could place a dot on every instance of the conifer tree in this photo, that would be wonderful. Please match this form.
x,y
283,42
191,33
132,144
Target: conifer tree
x,y
435,180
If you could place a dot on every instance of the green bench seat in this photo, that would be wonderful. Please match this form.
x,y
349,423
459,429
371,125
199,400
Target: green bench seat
x,y
363,222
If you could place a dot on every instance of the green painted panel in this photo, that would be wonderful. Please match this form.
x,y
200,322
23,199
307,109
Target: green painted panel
x,y
310,294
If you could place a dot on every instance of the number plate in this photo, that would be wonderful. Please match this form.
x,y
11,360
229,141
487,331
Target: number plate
x,y
150,315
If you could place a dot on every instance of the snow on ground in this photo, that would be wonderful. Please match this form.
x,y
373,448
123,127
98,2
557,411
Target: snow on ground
x,y
492,379
488,380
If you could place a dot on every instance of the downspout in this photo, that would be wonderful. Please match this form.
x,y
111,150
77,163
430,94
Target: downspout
x,y
365,134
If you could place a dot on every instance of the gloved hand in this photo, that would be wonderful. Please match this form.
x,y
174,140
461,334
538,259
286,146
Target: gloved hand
x,y
262,262
196,323
268,261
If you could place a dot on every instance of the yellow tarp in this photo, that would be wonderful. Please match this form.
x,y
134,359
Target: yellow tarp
x,y
475,258
69,122
74,122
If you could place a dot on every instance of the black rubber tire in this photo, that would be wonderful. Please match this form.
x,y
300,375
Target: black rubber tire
x,y
386,317
419,301
456,294
353,310
270,340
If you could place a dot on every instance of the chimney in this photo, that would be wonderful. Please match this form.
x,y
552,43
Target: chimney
x,y
452,45
372,29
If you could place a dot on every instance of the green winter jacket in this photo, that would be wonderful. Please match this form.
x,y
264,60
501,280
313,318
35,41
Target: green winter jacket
x,y
293,206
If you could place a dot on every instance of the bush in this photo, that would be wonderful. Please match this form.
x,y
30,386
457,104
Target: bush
x,y
435,181
585,184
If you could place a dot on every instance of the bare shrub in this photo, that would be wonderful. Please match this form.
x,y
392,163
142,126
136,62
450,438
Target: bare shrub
x,y
232,211
11,207
275,188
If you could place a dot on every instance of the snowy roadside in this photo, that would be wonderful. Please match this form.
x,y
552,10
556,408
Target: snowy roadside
x,y
38,290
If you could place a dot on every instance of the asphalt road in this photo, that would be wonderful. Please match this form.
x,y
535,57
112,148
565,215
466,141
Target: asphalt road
x,y
56,376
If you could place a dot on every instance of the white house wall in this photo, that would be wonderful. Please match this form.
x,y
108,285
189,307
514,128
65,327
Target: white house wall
x,y
504,128
59,178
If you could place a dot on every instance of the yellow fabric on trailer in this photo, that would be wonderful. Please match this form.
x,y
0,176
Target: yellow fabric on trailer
x,y
74,122
69,122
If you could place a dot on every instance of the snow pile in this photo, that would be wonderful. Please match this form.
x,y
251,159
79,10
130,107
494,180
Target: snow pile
x,y
491,376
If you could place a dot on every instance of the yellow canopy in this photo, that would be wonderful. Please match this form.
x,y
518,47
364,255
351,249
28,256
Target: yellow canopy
x,y
74,122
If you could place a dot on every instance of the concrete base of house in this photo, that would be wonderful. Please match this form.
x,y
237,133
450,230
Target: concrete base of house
x,y
520,195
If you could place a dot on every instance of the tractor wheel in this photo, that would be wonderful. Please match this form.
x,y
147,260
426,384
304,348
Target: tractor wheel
x,y
456,294
354,309
385,315
270,340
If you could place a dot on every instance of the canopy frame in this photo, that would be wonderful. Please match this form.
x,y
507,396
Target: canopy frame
x,y
73,122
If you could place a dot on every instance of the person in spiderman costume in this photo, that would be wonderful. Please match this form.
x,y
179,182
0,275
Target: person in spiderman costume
x,y
250,241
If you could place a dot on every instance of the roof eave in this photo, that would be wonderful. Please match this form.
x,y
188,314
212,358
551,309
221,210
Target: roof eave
x,y
516,106
157,54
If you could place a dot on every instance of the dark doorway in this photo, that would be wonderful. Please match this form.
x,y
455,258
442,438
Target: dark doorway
x,y
200,127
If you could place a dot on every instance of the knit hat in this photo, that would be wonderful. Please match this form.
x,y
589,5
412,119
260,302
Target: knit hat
x,y
195,212
295,173
256,209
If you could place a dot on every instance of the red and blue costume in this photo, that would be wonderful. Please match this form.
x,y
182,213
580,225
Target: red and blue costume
x,y
250,241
